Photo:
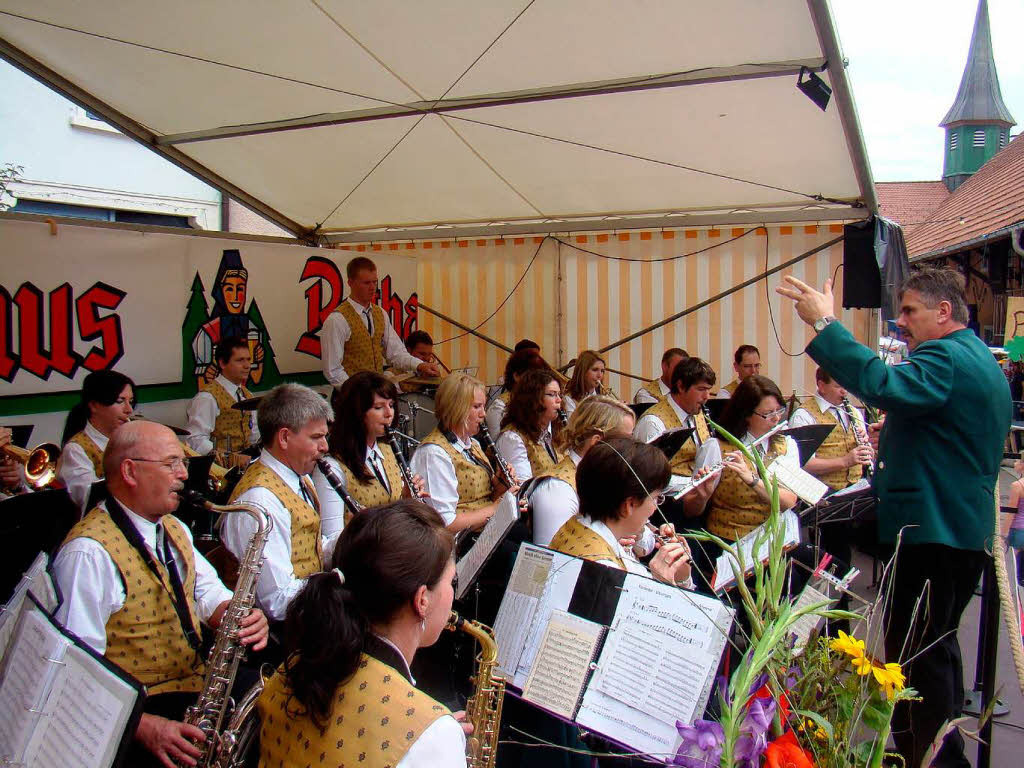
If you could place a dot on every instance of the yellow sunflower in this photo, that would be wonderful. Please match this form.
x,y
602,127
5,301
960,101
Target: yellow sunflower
x,y
890,676
851,646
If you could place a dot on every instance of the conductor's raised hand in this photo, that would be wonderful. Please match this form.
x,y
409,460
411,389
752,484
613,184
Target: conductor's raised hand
x,y
811,305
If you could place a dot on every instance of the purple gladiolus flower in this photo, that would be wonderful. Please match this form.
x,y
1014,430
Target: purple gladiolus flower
x,y
701,746
758,684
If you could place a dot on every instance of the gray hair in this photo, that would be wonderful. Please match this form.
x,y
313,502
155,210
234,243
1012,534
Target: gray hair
x,y
292,406
935,285
122,445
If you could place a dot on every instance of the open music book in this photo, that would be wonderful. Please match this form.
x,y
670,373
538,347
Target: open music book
x,y
36,581
725,573
60,702
494,532
622,655
805,485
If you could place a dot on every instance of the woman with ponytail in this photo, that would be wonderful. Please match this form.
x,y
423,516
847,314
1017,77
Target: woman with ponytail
x,y
107,402
345,688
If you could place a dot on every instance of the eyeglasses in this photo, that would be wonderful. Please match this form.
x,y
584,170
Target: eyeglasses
x,y
553,394
172,465
776,414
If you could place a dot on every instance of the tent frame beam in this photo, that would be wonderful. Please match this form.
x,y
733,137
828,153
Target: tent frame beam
x,y
702,76
134,130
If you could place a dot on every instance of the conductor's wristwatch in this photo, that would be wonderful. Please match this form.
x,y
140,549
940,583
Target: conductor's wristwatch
x,y
821,322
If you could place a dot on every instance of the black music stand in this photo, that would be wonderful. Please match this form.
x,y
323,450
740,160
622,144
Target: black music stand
x,y
809,438
31,523
640,408
716,407
671,441
20,433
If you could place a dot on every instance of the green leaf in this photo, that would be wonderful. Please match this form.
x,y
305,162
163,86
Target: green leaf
x,y
876,715
1015,348
821,721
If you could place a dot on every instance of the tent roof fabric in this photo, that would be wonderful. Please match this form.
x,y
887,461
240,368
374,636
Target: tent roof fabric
x,y
355,121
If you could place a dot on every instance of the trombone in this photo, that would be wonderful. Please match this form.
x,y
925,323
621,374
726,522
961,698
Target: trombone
x,y
40,463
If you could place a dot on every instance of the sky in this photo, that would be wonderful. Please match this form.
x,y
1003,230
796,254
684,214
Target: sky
x,y
905,62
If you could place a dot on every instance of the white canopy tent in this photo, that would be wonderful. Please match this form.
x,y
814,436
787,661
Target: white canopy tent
x,y
351,121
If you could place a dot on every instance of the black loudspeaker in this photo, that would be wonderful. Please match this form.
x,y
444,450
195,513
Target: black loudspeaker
x,y
862,281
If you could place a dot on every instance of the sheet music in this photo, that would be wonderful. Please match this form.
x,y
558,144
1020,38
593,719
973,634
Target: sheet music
x,y
29,670
657,665
563,663
88,711
802,483
860,485
724,574
807,623
504,517
35,580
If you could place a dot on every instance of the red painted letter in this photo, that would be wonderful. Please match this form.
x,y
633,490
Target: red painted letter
x,y
317,310
108,328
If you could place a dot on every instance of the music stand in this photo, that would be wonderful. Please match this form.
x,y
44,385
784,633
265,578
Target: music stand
x,y
20,433
31,523
670,442
640,408
809,438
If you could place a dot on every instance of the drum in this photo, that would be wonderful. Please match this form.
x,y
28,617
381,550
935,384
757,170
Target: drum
x,y
418,409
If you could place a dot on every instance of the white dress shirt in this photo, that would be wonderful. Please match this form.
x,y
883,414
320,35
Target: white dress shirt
x,y
336,332
513,450
643,396
433,464
442,743
802,417
202,413
332,508
277,584
75,468
569,404
495,410
628,558
649,427
92,590
553,502
791,457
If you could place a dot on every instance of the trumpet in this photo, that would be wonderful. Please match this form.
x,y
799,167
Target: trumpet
x,y
40,463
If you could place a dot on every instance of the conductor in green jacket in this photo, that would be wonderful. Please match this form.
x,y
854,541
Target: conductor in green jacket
x,y
947,415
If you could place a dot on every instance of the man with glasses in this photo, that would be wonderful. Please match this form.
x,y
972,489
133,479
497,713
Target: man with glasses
x,y
947,415
135,589
746,361
357,336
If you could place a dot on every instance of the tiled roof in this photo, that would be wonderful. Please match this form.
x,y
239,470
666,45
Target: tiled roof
x,y
991,200
909,203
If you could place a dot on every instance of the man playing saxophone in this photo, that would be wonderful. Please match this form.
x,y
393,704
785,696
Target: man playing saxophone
x,y
135,588
345,694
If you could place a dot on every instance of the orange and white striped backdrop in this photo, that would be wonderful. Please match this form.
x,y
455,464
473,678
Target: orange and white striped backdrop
x,y
571,300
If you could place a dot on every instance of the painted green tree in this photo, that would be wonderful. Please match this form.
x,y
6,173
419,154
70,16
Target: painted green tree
x,y
271,374
196,314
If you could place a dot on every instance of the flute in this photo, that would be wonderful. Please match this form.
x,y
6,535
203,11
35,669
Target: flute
x,y
718,466
403,465
504,468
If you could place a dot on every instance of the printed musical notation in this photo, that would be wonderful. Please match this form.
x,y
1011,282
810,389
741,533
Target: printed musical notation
x,y
563,663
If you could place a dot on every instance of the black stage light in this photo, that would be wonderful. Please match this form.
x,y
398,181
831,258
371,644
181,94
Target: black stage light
x,y
814,88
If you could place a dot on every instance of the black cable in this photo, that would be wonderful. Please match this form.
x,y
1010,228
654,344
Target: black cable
x,y
768,299
655,261
504,301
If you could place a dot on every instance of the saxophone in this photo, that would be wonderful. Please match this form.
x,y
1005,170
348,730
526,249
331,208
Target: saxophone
x,y
483,709
208,713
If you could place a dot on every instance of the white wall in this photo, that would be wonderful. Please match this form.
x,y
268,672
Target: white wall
x,y
68,158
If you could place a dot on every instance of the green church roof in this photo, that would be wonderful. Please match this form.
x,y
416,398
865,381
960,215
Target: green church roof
x,y
979,98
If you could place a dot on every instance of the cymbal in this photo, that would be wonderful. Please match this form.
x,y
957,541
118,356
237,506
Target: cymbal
x,y
248,405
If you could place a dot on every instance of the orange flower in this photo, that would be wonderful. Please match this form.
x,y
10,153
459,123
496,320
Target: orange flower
x,y
786,752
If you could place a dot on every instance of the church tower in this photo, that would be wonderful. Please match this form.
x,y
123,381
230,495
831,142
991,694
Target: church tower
x,y
978,124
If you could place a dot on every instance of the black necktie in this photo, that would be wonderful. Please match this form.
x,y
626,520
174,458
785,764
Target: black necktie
x,y
369,322
546,439
381,476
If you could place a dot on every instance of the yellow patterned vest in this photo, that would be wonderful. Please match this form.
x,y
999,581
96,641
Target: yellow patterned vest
x,y
838,443
91,450
735,509
307,552
474,482
564,470
574,538
682,463
731,386
363,352
376,717
145,638
653,389
231,426
540,460
371,493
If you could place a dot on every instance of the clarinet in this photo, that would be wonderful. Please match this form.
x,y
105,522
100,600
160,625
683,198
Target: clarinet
x,y
563,417
504,469
861,441
332,477
400,458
